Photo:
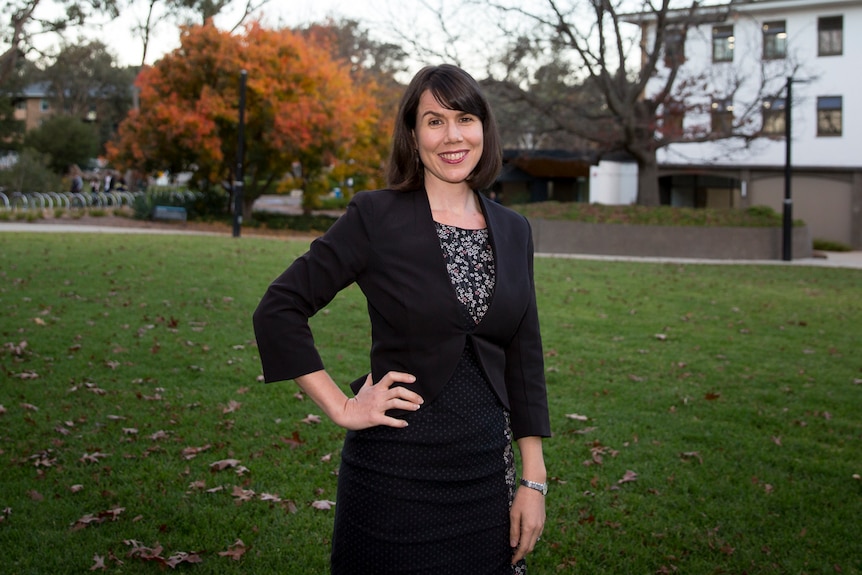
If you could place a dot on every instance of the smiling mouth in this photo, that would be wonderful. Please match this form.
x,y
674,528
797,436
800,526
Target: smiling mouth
x,y
453,157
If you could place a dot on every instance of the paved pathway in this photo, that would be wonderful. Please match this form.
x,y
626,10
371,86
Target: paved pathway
x,y
832,259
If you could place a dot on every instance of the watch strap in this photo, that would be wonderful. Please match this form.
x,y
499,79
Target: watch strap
x,y
540,487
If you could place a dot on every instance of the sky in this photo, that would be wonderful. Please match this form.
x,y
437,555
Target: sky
x,y
378,16
129,48
471,34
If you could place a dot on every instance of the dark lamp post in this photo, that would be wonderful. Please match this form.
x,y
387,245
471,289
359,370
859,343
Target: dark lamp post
x,y
240,152
787,224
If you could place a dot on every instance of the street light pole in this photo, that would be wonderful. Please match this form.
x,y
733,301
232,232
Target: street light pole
x,y
240,152
787,227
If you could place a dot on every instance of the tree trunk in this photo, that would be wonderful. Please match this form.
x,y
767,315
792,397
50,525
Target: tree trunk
x,y
648,191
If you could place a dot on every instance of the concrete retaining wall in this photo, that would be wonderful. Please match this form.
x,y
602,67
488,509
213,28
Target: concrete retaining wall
x,y
563,237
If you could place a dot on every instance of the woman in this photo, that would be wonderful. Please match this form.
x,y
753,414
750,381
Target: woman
x,y
427,476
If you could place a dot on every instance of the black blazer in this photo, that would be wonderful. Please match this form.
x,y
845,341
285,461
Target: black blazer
x,y
387,243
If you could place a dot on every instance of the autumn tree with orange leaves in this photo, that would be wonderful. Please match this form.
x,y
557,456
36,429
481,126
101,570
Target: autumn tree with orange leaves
x,y
303,107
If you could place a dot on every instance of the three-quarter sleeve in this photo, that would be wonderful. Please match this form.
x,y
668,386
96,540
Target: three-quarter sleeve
x,y
334,261
525,371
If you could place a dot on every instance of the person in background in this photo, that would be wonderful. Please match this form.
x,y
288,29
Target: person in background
x,y
427,480
76,185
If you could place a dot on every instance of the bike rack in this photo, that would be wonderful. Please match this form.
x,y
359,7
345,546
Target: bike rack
x,y
23,200
79,197
60,199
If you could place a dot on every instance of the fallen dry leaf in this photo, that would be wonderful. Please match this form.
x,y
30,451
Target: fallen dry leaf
x,y
192,452
224,464
241,494
577,417
628,477
235,551
692,455
311,419
98,563
93,457
323,505
294,441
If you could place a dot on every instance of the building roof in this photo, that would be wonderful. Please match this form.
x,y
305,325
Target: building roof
x,y
546,164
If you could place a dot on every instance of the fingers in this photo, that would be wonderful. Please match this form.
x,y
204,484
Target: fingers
x,y
374,400
527,522
521,551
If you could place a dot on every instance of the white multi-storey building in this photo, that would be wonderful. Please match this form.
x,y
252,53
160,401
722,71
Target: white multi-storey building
x,y
743,56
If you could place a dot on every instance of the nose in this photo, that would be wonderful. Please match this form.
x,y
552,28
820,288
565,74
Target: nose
x,y
453,132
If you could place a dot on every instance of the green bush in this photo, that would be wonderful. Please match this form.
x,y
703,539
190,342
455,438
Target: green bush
x,y
296,222
31,173
198,205
830,246
755,216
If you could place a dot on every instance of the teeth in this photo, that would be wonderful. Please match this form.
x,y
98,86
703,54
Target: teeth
x,y
453,156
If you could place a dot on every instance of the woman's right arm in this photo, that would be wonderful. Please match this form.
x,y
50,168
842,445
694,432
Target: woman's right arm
x,y
368,408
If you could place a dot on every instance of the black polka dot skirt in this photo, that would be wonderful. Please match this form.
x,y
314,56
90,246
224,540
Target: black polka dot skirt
x,y
433,497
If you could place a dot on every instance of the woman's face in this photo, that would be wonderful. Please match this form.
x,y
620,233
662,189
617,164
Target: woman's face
x,y
450,142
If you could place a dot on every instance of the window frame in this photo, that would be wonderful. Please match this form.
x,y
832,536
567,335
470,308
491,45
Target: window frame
x,y
723,43
674,47
774,39
721,116
828,108
673,119
773,116
830,37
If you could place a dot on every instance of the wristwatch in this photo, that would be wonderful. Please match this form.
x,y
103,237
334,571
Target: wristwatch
x,y
540,487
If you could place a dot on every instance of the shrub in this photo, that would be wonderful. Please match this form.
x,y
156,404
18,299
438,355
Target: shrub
x,y
198,205
830,246
296,222
756,216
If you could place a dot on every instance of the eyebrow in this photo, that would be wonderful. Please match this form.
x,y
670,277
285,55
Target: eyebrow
x,y
439,115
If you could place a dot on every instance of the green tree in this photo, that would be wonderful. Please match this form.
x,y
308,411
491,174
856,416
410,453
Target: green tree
x,y
85,82
66,140
26,20
31,173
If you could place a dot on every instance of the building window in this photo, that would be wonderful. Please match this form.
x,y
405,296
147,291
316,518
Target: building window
x,y
721,116
722,44
45,105
674,47
829,116
672,119
830,36
774,40
773,116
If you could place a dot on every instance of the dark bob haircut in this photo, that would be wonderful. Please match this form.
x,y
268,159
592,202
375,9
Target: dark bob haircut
x,y
454,89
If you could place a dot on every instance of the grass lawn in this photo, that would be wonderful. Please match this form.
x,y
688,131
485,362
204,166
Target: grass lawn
x,y
707,419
